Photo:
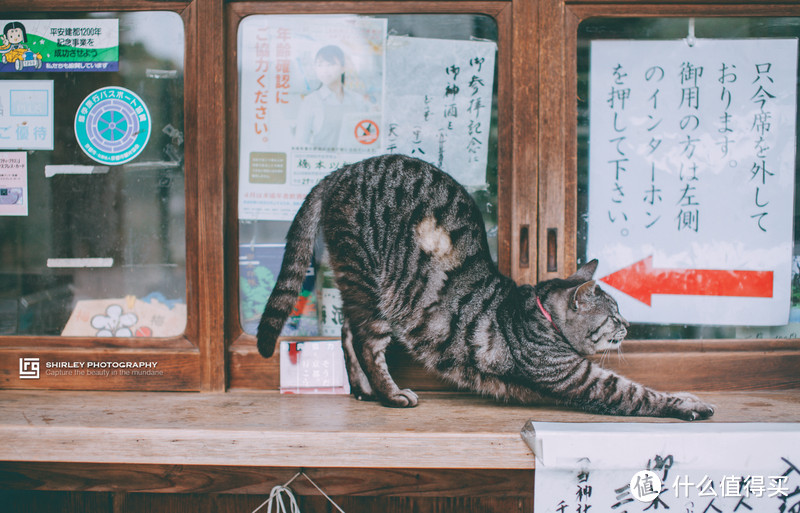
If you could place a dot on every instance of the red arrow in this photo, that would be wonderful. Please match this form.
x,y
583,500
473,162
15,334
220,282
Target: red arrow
x,y
641,280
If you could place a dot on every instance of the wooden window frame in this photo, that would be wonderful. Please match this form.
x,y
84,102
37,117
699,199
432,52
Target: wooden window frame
x,y
537,191
247,369
195,360
731,364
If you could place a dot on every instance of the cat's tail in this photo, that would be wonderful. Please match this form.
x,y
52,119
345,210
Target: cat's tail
x,y
296,258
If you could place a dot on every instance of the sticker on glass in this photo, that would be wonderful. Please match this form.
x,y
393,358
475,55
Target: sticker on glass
x,y
59,45
113,125
26,114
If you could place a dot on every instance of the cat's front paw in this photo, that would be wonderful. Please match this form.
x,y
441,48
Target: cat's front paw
x,y
361,396
689,407
402,399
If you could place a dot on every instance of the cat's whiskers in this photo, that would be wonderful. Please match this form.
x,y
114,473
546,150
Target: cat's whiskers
x,y
604,356
620,354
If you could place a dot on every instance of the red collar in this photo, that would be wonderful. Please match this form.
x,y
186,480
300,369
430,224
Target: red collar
x,y
546,314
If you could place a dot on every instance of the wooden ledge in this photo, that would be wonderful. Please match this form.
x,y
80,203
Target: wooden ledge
x,y
266,429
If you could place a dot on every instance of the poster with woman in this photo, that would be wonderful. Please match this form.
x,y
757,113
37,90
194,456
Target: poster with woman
x,y
311,101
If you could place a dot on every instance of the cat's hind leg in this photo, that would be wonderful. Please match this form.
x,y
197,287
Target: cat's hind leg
x,y
359,383
370,340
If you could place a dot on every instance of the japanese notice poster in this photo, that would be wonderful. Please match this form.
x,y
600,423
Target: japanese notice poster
x,y
311,101
438,103
313,367
665,467
13,183
26,114
59,45
691,178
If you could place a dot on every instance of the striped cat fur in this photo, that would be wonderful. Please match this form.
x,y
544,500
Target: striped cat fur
x,y
409,250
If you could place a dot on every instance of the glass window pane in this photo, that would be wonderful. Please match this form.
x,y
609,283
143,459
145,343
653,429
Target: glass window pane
x,y
317,92
97,245
703,182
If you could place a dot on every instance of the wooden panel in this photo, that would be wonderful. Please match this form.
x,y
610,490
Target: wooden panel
x,y
569,237
709,365
119,369
525,69
258,480
233,328
655,7
315,504
18,501
491,8
145,503
191,171
98,344
551,135
209,37
40,502
712,371
506,139
248,369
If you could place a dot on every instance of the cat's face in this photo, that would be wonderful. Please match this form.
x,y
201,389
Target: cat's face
x,y
590,317
597,316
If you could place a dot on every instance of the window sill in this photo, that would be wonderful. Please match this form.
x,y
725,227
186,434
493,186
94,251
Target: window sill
x,y
267,429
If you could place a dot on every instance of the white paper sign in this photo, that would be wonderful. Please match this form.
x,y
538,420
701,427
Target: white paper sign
x,y
26,114
439,103
691,178
311,101
13,183
313,367
697,468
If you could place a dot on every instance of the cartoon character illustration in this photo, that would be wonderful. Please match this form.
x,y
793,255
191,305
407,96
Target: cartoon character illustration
x,y
15,50
5,47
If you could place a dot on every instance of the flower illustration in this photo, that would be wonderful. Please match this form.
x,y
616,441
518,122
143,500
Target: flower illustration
x,y
114,323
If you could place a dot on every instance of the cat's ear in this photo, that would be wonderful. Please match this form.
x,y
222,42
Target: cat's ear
x,y
586,271
583,294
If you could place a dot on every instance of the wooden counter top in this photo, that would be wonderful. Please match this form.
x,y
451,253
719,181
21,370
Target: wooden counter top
x,y
267,429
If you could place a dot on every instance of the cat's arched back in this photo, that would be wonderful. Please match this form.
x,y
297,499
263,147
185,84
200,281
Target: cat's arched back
x,y
408,247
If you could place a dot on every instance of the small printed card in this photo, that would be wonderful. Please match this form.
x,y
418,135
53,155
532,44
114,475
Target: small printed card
x,y
313,367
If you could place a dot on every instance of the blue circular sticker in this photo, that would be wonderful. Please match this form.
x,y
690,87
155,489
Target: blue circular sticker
x,y
112,125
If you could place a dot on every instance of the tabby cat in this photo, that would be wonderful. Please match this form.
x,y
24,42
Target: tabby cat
x,y
409,250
